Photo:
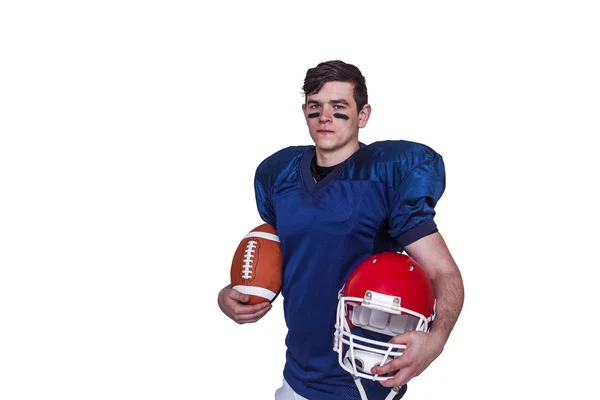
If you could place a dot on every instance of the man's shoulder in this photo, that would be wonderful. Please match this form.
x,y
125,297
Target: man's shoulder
x,y
280,161
401,154
398,150
391,161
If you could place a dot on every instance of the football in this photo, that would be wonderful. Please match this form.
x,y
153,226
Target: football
x,y
256,265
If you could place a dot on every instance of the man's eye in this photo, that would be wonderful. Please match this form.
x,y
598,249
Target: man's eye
x,y
338,107
313,106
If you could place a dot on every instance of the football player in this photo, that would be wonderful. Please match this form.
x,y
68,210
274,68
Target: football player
x,y
334,204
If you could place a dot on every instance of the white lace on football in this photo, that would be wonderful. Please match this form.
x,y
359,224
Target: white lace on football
x,y
248,256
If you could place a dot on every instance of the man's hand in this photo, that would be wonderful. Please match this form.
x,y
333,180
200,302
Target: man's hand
x,y
421,349
232,303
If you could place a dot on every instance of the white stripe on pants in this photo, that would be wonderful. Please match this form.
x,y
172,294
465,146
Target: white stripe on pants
x,y
287,393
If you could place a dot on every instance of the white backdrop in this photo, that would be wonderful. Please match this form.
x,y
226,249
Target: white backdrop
x,y
130,132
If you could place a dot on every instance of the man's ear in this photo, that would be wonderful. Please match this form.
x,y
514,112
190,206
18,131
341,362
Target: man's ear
x,y
304,112
363,116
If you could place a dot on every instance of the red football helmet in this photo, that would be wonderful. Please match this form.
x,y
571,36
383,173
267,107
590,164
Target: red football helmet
x,y
388,293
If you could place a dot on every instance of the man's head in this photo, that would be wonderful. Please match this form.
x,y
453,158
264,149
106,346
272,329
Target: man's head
x,y
340,71
335,108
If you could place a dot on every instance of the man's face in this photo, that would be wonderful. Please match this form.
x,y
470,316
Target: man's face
x,y
333,119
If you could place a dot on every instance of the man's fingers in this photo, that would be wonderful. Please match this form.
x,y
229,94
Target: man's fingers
x,y
392,366
239,296
402,377
402,368
248,317
247,309
403,338
399,362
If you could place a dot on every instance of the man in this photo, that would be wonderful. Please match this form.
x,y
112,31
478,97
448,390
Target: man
x,y
333,205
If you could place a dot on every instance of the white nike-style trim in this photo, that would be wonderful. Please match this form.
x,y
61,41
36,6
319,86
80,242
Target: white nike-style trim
x,y
255,291
263,235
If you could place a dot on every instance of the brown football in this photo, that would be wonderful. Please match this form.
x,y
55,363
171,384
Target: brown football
x,y
256,265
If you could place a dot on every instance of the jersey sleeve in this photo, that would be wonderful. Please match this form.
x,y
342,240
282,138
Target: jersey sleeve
x,y
263,202
270,174
413,201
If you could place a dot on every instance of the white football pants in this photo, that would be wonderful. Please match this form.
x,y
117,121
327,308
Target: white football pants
x,y
287,393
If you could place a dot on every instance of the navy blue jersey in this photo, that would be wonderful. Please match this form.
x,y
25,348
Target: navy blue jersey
x,y
382,198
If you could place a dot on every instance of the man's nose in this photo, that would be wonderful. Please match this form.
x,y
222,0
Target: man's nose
x,y
326,114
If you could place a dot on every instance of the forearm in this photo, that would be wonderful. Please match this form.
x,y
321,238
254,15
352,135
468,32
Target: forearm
x,y
449,292
433,255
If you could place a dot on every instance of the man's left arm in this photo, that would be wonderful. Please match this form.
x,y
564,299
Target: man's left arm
x,y
422,348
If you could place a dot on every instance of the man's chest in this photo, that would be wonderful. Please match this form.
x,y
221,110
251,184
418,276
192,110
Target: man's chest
x,y
340,208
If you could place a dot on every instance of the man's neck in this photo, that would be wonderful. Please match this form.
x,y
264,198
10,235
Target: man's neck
x,y
329,158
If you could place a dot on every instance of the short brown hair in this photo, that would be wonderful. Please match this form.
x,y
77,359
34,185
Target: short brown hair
x,y
336,70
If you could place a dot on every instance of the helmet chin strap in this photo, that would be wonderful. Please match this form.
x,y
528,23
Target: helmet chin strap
x,y
367,360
